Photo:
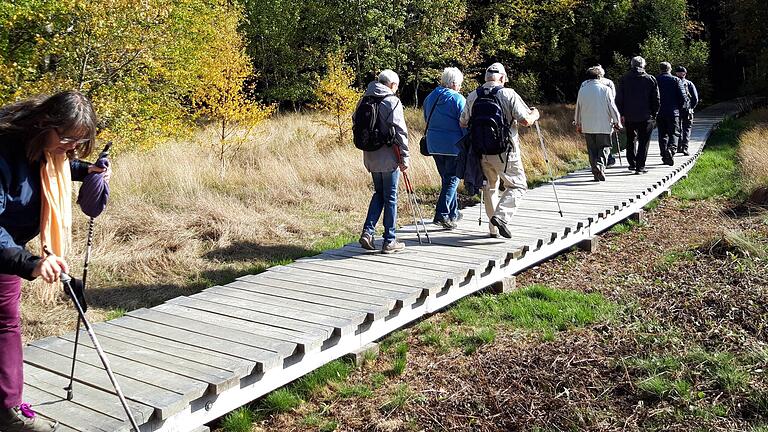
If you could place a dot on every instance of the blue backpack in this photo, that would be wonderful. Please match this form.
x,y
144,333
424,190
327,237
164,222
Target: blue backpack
x,y
488,126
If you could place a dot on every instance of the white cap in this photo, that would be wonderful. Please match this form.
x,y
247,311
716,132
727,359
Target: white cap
x,y
496,68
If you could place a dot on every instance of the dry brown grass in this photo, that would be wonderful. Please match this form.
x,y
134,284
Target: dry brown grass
x,y
174,226
753,156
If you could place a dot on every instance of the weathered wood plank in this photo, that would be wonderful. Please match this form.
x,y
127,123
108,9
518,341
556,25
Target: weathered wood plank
x,y
165,402
72,414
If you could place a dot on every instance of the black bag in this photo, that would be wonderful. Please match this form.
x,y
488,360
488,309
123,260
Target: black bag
x,y
423,148
365,125
488,126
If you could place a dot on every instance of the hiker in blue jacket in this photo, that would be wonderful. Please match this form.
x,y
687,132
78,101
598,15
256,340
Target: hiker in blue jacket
x,y
39,139
442,109
673,101
686,115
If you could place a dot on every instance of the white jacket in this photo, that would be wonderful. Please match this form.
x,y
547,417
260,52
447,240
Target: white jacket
x,y
595,109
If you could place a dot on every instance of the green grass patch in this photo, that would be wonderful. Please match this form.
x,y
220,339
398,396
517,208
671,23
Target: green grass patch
x,y
626,226
335,371
535,307
356,391
280,401
393,339
653,205
479,337
115,314
669,259
716,173
239,420
400,397
399,360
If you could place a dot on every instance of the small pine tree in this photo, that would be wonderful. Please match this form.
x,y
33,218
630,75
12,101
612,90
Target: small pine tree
x,y
336,96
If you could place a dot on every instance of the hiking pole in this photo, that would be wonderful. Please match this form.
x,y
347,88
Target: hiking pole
x,y
549,168
413,201
482,203
67,281
89,243
618,145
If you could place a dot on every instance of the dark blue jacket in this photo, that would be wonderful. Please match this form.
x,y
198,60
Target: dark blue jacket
x,y
673,97
20,205
637,96
444,130
468,167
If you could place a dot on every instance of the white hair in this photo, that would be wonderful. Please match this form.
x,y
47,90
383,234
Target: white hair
x,y
637,62
451,75
388,76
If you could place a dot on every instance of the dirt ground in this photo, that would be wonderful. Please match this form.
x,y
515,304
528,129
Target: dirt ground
x,y
692,308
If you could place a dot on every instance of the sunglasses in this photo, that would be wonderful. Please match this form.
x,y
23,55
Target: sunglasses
x,y
65,140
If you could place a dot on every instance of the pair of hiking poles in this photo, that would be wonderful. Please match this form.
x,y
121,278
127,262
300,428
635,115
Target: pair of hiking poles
x,y
549,170
75,289
413,202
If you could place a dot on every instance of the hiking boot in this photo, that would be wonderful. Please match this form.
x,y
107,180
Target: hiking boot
x,y
392,247
685,152
632,168
366,241
447,223
459,216
600,175
668,161
502,226
23,419
641,171
611,161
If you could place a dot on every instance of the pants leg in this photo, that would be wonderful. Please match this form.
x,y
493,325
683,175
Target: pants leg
x,y
686,122
389,182
447,206
11,362
590,141
644,131
632,129
490,190
376,205
512,175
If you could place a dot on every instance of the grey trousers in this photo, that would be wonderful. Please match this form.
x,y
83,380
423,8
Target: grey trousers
x,y
598,149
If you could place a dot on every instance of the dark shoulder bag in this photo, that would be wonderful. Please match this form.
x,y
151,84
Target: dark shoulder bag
x,y
423,149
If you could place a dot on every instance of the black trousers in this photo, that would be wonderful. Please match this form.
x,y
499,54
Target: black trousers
x,y
686,121
638,139
669,131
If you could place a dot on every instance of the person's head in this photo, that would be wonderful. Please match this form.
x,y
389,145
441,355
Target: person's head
x,y
496,73
681,72
389,78
452,78
637,62
62,123
665,67
595,72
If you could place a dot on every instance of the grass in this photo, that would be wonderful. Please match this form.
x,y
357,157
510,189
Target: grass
x,y
626,226
535,307
239,420
753,157
279,401
401,396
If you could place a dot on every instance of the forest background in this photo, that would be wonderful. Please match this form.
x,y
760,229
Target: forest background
x,y
154,68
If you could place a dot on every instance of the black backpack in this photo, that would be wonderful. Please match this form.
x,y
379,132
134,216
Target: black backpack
x,y
365,125
488,126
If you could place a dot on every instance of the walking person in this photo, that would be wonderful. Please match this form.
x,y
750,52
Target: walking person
x,y
596,117
442,110
606,82
383,163
686,115
39,139
492,114
637,98
673,101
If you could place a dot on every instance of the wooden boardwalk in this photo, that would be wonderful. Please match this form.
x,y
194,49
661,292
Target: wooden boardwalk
x,y
186,362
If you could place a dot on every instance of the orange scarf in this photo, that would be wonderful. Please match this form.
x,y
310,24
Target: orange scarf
x,y
56,204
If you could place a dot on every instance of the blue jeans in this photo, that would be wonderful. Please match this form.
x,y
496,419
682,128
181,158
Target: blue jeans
x,y
384,198
447,202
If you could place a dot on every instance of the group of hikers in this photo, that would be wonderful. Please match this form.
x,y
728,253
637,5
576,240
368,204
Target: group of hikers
x,y
43,139
477,138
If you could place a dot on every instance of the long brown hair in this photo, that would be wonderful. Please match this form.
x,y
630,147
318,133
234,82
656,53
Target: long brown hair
x,y
32,118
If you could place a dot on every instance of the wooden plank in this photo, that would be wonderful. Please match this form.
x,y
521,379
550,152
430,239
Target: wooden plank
x,y
376,307
316,282
431,257
307,340
165,402
264,359
251,311
282,348
72,414
237,366
413,259
96,399
217,380
189,389
299,306
358,274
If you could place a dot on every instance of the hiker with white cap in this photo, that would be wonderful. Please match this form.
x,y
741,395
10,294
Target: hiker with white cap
x,y
492,114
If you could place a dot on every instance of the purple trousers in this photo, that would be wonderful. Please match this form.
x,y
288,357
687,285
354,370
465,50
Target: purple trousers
x,y
11,362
